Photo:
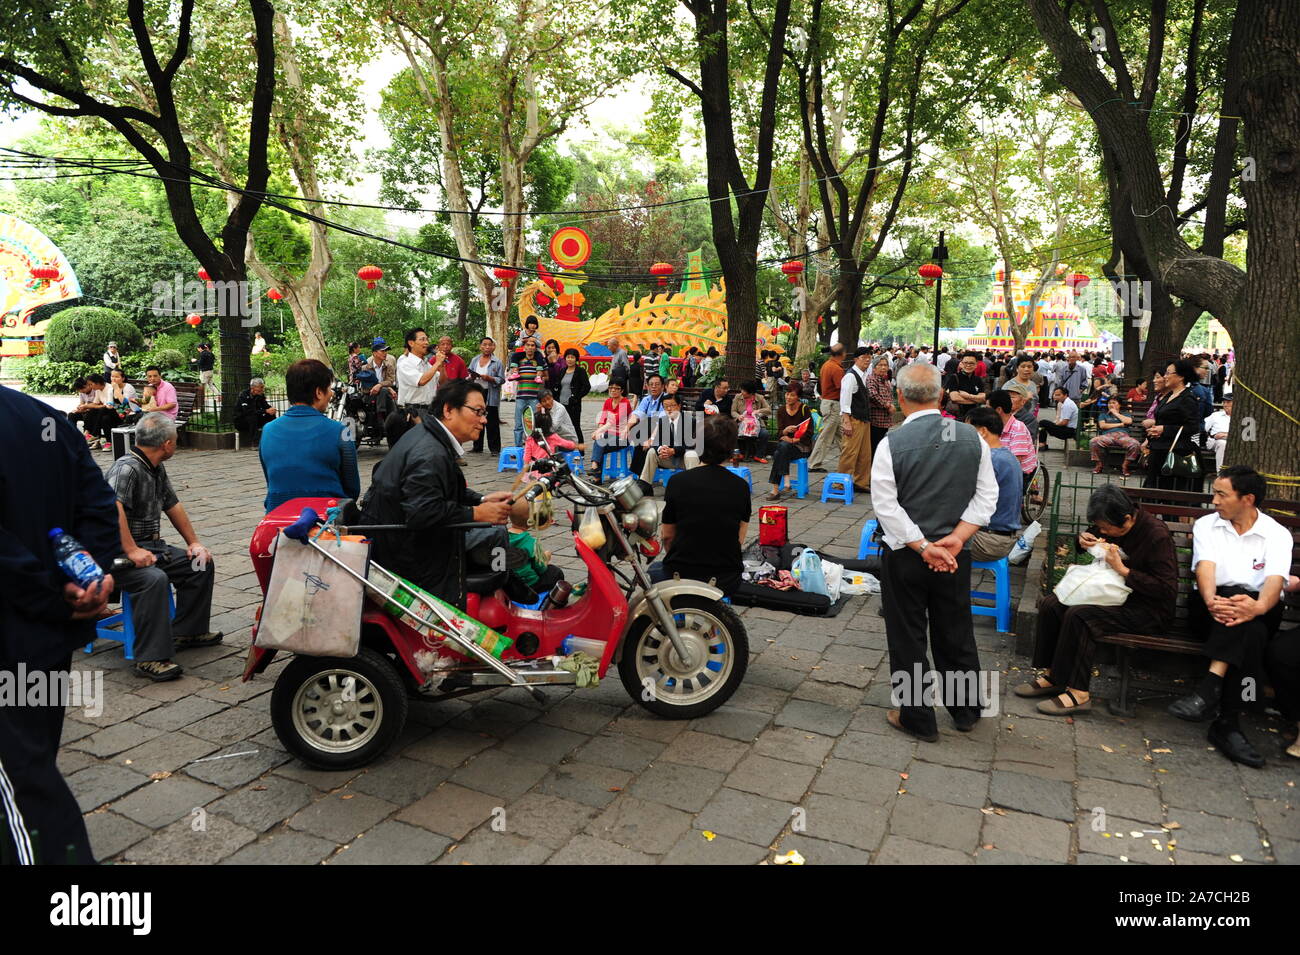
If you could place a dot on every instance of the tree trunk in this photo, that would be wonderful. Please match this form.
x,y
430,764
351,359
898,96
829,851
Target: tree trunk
x,y
1263,325
462,305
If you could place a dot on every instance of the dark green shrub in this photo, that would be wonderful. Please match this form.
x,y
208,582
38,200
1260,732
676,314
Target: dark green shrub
x,y
82,333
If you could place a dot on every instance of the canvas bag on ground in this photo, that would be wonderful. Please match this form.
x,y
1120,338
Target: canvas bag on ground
x,y
1096,584
313,606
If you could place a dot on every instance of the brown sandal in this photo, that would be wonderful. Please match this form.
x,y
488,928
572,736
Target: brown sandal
x,y
1057,708
1034,690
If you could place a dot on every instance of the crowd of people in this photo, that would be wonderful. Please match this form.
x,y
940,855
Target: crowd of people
x,y
946,485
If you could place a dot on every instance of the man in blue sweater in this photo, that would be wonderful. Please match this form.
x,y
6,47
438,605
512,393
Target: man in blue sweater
x,y
996,540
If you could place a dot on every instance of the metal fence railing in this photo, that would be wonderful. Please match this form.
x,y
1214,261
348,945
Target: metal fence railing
x,y
208,418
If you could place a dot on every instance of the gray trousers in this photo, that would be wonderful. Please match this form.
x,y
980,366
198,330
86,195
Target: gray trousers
x,y
828,439
148,589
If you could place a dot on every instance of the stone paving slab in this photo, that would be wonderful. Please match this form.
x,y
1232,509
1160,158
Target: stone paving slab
x,y
800,758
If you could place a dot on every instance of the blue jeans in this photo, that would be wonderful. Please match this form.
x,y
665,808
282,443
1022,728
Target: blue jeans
x,y
520,405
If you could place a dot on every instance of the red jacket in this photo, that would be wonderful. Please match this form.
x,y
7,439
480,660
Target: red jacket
x,y
454,367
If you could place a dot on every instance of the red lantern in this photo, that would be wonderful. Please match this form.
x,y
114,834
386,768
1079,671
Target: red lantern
x,y
194,319
929,272
784,330
663,270
1077,282
792,271
203,275
504,275
46,273
370,274
274,295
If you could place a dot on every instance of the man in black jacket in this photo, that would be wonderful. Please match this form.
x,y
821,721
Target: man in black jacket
x,y
47,480
252,412
418,484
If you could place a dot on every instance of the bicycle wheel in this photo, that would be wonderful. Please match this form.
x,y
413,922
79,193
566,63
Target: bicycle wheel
x,y
1036,495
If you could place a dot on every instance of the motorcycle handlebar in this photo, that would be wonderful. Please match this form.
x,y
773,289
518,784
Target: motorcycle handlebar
x,y
300,529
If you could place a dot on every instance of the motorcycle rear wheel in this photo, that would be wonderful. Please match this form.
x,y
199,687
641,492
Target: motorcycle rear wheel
x,y
654,676
338,713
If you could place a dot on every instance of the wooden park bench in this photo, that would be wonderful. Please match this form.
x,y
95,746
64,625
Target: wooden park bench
x,y
187,399
1179,510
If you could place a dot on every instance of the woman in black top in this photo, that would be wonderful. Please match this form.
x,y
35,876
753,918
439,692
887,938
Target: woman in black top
x,y
636,376
571,386
1179,409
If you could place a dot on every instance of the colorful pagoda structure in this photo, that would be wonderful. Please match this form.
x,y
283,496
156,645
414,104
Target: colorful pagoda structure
x,y
1058,324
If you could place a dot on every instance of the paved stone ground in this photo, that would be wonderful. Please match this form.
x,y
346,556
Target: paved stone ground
x,y
800,759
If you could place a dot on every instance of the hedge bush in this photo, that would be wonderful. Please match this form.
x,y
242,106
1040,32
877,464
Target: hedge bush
x,y
82,333
44,377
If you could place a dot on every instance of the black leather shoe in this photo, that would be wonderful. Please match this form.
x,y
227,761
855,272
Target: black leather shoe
x,y
1194,708
1232,743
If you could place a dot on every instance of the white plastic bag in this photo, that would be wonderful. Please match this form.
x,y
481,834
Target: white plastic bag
x,y
856,583
834,574
1023,547
600,382
1096,584
313,607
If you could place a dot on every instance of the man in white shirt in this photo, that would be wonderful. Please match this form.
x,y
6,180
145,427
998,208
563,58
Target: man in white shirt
x,y
1242,560
942,360
855,422
416,386
1066,424
932,487
1216,429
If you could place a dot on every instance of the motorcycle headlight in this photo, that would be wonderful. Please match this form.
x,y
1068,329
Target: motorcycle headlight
x,y
647,518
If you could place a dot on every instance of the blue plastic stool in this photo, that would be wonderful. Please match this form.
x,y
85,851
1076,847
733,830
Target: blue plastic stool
x,y
574,460
800,483
664,475
512,458
838,487
1001,596
866,546
745,473
616,463
126,636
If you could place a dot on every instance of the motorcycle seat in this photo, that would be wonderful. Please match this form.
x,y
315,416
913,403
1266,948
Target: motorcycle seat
x,y
485,583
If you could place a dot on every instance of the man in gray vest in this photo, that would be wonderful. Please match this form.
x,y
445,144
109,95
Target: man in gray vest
x,y
932,488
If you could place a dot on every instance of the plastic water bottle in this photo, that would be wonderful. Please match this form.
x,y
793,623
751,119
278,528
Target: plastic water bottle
x,y
572,644
74,559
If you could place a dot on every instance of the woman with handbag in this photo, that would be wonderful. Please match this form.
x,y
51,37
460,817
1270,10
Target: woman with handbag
x,y
1174,462
1138,548
751,410
792,444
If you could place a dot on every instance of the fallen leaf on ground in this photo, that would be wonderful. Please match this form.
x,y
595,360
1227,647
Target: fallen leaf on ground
x,y
614,789
988,845
162,775
790,858
902,775
1235,858
1163,749
347,795
1173,825
709,836
1106,749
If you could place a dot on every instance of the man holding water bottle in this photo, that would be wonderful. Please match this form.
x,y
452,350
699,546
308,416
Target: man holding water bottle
x,y
47,480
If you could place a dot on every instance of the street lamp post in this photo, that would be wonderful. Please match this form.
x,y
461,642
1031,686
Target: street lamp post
x,y
939,254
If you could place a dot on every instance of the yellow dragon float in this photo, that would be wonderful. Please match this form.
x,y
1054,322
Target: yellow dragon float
x,y
695,315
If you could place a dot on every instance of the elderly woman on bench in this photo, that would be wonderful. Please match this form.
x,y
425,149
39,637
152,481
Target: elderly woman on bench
x,y
1067,636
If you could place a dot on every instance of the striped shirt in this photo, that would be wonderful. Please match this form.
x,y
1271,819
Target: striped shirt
x,y
1015,438
532,377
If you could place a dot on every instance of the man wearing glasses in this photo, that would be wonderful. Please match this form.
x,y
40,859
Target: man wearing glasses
x,y
418,484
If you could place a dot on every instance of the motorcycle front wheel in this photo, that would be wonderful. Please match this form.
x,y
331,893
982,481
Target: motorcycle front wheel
x,y
656,677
